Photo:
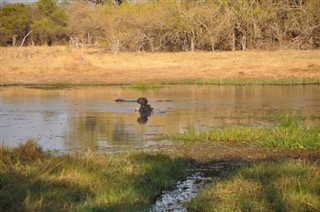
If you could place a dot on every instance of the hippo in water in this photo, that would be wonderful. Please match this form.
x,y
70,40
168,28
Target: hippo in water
x,y
145,110
144,107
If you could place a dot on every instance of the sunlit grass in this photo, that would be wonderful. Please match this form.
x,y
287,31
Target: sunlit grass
x,y
145,86
34,180
90,66
273,186
57,86
252,81
290,132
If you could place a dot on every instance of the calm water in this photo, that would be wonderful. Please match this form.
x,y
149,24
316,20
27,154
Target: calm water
x,y
79,118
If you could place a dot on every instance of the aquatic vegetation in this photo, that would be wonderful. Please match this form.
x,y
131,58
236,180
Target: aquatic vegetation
x,y
290,132
228,81
144,86
251,81
56,86
266,186
31,179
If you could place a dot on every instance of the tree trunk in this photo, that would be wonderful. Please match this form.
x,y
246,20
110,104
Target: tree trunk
x,y
192,42
151,43
89,38
244,41
14,40
277,34
233,45
23,40
115,45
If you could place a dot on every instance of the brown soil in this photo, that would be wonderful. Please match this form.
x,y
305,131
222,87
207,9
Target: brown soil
x,y
232,151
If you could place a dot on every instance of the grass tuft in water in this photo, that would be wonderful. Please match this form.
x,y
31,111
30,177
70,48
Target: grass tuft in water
x,y
273,186
33,180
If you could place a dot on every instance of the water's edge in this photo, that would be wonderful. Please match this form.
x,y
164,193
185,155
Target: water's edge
x,y
199,176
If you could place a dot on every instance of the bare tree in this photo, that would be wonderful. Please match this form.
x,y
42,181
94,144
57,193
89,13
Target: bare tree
x,y
23,40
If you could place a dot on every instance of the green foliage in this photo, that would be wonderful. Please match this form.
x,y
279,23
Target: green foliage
x,y
50,25
15,22
170,25
47,7
46,19
108,2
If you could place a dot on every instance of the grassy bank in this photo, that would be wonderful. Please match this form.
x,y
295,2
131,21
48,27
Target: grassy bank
x,y
32,180
289,132
275,186
62,65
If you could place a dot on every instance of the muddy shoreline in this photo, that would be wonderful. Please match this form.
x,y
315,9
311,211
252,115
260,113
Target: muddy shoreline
x,y
205,172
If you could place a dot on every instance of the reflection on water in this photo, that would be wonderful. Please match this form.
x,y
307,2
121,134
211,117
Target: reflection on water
x,y
86,117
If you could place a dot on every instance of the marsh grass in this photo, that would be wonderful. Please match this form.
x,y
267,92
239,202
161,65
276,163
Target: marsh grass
x,y
33,180
48,87
145,86
290,132
251,81
266,186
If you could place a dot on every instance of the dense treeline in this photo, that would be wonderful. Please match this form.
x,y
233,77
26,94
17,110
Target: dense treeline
x,y
166,25
47,21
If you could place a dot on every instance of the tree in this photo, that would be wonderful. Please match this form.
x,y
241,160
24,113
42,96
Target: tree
x,y
107,2
15,23
83,23
50,24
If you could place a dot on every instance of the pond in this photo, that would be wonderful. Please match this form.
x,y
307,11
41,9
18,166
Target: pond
x,y
78,118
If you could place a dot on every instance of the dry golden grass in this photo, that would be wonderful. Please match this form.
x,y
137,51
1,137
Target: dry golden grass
x,y
61,64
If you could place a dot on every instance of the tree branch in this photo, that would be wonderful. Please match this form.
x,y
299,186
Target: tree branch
x,y
23,40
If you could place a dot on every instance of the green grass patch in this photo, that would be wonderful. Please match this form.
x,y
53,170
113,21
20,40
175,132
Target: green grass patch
x,y
273,186
227,81
251,81
48,87
161,84
290,132
145,86
33,180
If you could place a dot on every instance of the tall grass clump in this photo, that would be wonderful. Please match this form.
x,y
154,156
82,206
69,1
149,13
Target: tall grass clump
x,y
33,180
275,186
290,132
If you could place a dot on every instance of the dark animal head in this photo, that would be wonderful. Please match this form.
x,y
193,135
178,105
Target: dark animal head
x,y
142,101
